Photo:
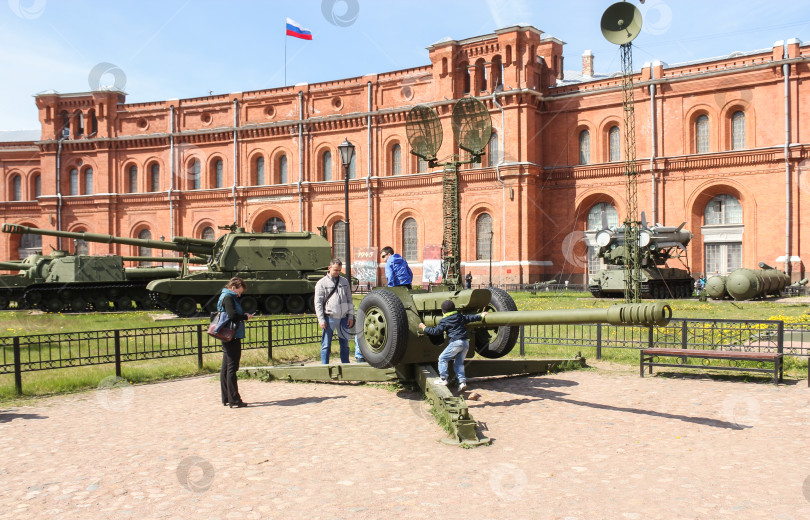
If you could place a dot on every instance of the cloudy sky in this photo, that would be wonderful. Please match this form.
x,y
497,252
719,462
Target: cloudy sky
x,y
170,49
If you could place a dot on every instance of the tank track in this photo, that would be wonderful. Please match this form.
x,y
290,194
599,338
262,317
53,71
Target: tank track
x,y
96,297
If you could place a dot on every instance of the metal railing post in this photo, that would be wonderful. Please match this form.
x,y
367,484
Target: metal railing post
x,y
650,336
598,341
269,340
199,346
684,333
17,366
522,340
117,344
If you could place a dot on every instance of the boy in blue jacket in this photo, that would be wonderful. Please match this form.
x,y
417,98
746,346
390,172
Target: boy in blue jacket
x,y
455,324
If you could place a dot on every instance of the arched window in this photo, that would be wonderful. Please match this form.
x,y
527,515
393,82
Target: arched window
x,y
143,250
464,73
74,182
219,179
421,165
82,248
326,165
133,179
497,72
396,159
65,133
595,216
29,244
37,186
194,174
494,152
260,180
722,235
339,240
16,188
584,147
88,181
702,134
410,240
483,237
154,182
274,225
282,169
208,233
481,75
738,130
723,210
614,144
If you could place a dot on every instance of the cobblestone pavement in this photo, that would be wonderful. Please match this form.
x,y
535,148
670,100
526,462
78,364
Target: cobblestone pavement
x,y
579,445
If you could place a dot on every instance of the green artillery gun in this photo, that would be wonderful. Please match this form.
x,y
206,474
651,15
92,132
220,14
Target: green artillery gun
x,y
657,245
389,338
281,269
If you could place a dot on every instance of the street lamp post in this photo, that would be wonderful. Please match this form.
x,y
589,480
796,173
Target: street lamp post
x,y
346,150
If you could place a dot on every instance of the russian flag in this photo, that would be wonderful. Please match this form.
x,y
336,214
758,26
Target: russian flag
x,y
295,30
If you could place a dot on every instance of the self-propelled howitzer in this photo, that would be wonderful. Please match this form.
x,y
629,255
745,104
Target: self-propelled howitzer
x,y
281,269
388,322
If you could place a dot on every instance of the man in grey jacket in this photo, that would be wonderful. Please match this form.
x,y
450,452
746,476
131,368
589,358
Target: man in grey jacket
x,y
335,311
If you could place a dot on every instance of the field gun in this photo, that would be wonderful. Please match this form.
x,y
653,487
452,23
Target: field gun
x,y
388,322
657,245
281,269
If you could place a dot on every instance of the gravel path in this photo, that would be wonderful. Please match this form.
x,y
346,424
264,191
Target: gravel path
x,y
589,444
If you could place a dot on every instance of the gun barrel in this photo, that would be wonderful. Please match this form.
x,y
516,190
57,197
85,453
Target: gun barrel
x,y
109,239
645,314
14,266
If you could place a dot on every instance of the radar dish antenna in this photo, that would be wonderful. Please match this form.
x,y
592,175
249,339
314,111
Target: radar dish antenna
x,y
621,23
472,125
424,131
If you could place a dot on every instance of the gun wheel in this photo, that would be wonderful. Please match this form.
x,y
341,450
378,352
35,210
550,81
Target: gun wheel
x,y
497,342
384,337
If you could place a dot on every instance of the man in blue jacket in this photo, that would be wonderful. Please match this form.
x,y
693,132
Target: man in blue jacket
x,y
396,268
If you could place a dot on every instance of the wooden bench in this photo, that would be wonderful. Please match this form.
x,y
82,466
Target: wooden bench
x,y
649,354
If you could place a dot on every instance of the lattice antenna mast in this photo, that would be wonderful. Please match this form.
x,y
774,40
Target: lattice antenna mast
x,y
472,129
632,290
620,24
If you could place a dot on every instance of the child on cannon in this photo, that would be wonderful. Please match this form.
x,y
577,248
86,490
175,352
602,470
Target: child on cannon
x,y
455,325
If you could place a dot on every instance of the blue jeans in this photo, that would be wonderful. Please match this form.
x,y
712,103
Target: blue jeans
x,y
358,354
457,351
341,325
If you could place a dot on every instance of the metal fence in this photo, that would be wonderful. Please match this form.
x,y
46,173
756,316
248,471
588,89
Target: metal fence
x,y
76,349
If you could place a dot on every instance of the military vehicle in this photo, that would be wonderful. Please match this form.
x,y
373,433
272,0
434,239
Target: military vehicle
x,y
657,245
748,284
281,269
60,282
716,287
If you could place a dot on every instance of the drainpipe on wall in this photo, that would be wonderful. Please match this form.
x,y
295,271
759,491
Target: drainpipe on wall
x,y
501,151
171,172
59,192
786,74
368,174
235,167
300,159
653,144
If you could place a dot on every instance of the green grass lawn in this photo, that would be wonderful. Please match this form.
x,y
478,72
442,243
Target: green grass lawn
x,y
19,323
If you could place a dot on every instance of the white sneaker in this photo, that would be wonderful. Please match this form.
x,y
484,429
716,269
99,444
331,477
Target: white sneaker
x,y
440,382
462,387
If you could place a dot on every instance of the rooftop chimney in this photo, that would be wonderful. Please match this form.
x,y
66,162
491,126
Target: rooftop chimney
x,y
587,64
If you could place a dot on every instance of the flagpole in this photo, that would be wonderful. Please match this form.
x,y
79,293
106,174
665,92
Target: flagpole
x,y
285,52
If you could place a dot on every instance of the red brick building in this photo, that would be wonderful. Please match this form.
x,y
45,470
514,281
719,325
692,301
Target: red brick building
x,y
721,145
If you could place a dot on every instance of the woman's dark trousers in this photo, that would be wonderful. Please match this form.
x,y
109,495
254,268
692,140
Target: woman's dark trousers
x,y
231,354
